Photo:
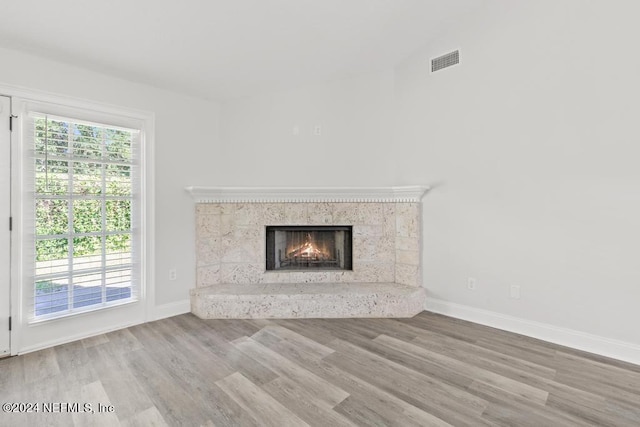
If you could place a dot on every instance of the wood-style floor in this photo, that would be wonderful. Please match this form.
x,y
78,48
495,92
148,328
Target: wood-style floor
x,y
428,370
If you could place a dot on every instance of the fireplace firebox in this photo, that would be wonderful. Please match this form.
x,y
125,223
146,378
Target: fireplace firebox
x,y
303,248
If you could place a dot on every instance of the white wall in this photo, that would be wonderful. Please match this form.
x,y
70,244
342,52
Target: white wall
x,y
187,151
534,140
354,113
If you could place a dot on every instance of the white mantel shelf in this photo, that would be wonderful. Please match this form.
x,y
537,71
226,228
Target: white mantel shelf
x,y
404,194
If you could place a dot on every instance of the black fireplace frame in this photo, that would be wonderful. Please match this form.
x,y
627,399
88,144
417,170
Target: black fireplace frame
x,y
270,258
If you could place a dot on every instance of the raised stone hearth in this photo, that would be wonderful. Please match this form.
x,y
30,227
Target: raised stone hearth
x,y
232,280
307,300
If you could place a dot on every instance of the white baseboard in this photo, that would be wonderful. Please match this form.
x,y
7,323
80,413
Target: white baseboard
x,y
172,309
620,350
160,312
72,338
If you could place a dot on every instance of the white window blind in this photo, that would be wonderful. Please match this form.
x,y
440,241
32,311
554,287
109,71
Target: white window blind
x,y
85,237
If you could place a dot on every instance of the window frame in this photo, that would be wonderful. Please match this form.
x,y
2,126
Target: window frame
x,y
27,334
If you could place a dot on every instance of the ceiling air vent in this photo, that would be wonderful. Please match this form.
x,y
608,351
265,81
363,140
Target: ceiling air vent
x,y
445,61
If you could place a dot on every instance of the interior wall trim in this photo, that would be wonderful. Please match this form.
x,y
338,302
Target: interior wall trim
x,y
621,350
404,194
172,309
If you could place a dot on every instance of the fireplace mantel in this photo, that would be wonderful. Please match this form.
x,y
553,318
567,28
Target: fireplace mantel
x,y
403,194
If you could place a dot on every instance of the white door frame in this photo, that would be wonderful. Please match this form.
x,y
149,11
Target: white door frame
x,y
5,233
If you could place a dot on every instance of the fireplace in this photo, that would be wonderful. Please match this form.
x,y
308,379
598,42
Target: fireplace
x,y
308,248
270,253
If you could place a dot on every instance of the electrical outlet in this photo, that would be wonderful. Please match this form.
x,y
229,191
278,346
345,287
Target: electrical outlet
x,y
471,284
317,130
514,291
173,274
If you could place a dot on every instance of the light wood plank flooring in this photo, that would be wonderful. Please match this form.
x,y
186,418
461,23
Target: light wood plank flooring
x,y
430,370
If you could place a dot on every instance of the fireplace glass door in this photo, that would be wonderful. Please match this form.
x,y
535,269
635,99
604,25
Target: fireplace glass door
x,y
309,248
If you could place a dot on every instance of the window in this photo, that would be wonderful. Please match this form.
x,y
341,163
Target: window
x,y
85,179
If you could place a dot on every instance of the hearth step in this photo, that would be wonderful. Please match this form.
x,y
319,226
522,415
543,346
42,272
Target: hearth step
x,y
306,300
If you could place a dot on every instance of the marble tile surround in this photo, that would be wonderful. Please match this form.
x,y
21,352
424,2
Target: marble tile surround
x,y
230,241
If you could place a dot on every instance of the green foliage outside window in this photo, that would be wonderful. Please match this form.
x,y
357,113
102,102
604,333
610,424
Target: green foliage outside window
x,y
97,175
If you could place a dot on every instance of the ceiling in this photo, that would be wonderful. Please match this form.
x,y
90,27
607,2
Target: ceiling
x,y
222,49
